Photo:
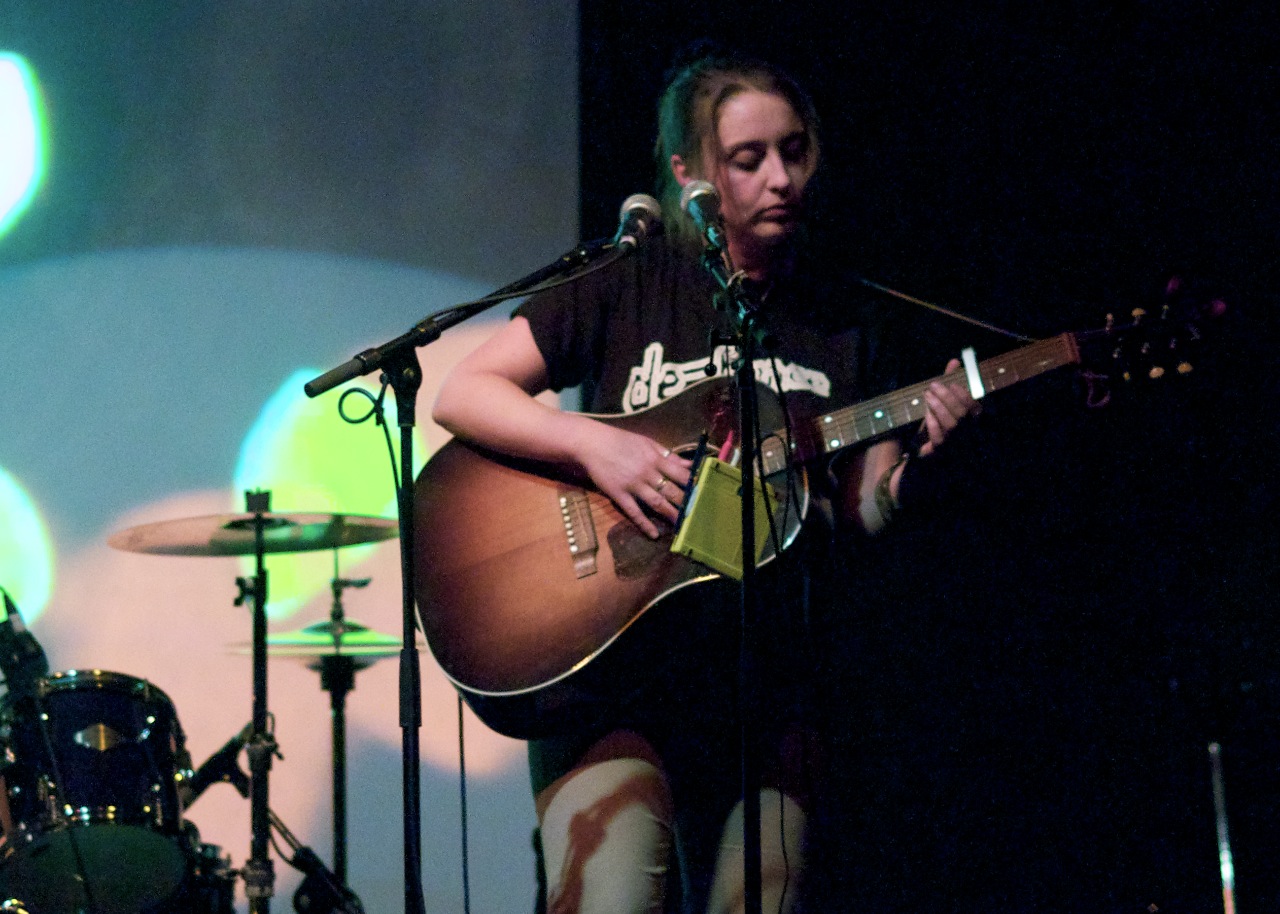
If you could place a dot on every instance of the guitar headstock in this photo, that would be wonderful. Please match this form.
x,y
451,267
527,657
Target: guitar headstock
x,y
1150,345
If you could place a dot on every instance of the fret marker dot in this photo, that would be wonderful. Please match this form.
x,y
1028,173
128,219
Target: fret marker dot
x,y
835,442
879,414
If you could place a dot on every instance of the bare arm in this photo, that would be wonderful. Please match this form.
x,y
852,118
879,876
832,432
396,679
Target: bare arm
x,y
488,399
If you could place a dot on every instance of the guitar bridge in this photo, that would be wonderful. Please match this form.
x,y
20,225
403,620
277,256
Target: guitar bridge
x,y
580,529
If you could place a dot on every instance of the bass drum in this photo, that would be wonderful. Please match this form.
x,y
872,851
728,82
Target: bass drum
x,y
209,887
90,808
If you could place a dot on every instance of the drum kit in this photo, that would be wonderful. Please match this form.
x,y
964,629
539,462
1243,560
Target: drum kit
x,y
95,777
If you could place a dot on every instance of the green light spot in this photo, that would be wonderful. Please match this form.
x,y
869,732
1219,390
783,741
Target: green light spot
x,y
22,157
312,461
26,550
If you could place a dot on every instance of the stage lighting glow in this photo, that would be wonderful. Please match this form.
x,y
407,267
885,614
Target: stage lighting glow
x,y
312,461
21,138
26,549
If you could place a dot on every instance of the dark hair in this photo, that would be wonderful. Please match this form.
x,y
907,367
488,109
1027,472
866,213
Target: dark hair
x,y
689,114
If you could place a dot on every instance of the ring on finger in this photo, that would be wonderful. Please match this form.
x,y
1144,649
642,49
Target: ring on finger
x,y
661,482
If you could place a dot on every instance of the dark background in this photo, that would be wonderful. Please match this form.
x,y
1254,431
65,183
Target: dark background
x,y
1021,685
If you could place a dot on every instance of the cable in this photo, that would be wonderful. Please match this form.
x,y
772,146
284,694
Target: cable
x,y
462,791
82,875
955,315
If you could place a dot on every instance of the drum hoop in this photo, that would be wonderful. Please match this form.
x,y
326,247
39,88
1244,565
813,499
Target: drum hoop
x,y
103,680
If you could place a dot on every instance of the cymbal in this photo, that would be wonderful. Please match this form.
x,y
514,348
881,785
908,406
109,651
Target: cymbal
x,y
233,534
317,640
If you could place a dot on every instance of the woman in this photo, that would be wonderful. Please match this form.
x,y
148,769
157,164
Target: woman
x,y
652,792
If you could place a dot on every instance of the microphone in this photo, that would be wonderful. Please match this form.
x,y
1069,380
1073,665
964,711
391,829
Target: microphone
x,y
701,202
639,217
22,659
221,766
320,890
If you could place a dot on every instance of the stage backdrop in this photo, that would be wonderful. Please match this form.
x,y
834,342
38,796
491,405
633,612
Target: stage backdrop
x,y
210,203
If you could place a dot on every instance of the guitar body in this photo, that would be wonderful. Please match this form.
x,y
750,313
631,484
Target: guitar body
x,y
527,577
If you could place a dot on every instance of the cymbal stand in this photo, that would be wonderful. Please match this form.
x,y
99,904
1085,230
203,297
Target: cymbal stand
x,y
338,677
259,876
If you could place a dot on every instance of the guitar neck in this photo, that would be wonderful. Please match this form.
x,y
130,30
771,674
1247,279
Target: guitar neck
x,y
874,418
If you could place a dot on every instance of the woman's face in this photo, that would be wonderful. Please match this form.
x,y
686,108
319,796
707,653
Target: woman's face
x,y
762,165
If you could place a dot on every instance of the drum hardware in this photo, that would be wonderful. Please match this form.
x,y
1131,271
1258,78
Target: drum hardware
x,y
321,891
337,649
255,532
13,906
221,766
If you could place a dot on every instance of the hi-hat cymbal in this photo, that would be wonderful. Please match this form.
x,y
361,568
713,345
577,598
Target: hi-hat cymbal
x,y
318,641
315,641
233,534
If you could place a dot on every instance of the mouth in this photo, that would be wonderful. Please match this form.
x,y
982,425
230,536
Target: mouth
x,y
779,214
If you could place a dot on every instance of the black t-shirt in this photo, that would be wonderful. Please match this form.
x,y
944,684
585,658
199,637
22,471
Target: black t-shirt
x,y
643,331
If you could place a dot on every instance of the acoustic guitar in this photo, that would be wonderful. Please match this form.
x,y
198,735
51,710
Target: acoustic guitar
x,y
527,576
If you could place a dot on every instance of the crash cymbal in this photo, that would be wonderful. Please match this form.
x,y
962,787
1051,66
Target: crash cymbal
x,y
233,534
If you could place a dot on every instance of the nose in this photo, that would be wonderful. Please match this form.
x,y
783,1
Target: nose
x,y
778,176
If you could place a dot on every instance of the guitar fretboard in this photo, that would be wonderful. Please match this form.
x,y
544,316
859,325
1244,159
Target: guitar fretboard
x,y
873,418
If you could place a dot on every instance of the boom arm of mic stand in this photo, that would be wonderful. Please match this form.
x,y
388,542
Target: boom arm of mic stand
x,y
428,329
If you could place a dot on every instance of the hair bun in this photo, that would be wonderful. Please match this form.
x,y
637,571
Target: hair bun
x,y
698,51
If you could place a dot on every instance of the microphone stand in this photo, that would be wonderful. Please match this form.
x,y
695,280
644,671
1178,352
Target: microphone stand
x,y
398,361
743,312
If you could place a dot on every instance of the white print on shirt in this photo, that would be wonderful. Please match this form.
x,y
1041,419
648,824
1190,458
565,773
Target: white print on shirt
x,y
655,380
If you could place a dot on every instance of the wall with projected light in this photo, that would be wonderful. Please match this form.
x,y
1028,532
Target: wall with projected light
x,y
201,208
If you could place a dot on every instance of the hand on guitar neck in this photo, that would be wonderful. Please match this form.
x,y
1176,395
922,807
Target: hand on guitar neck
x,y
948,403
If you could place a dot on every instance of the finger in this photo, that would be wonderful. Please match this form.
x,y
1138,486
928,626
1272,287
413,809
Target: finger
x,y
932,429
959,391
660,503
940,410
958,401
631,508
673,493
677,473
672,464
